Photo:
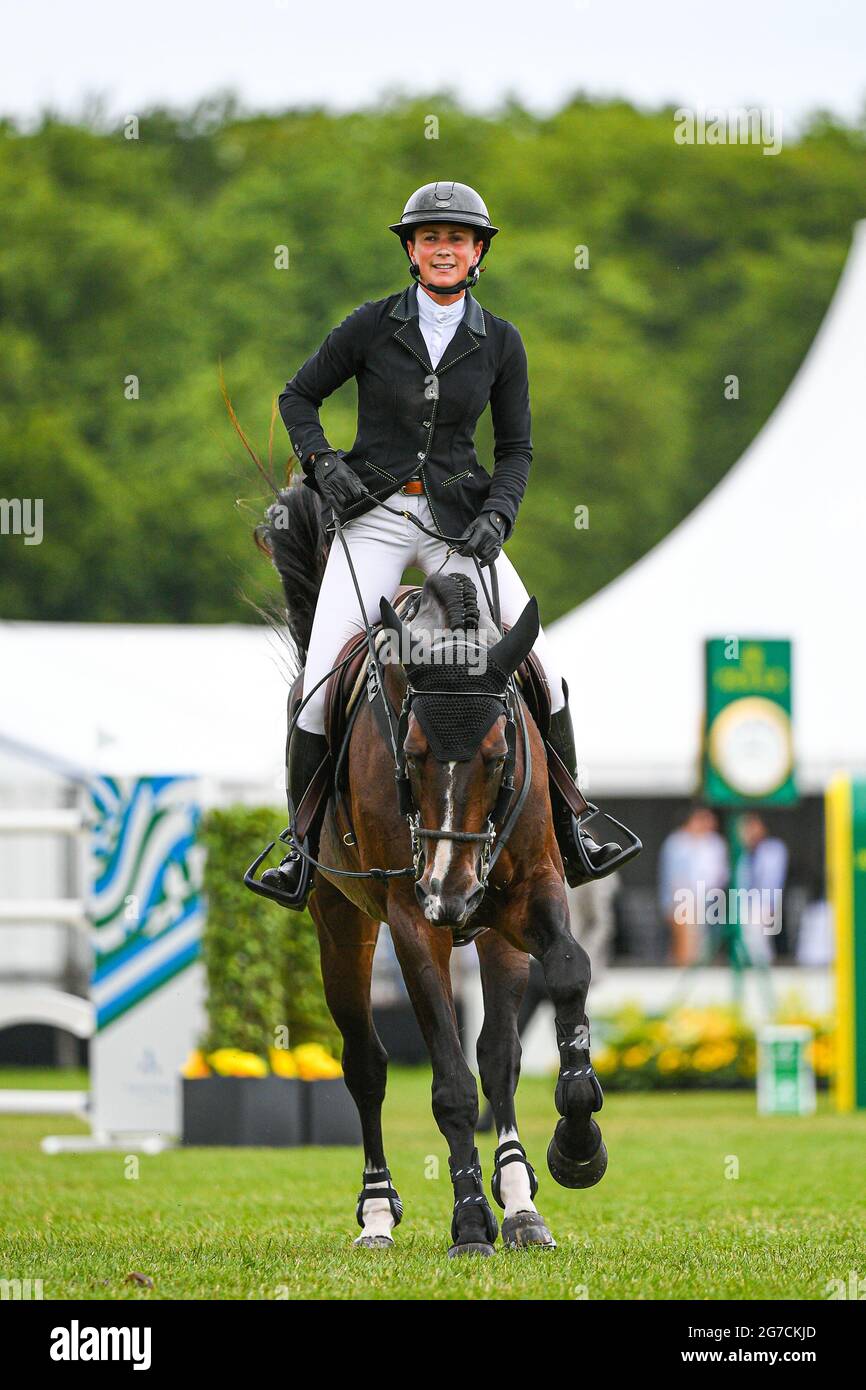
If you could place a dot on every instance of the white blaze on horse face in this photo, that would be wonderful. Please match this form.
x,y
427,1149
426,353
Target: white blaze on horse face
x,y
444,849
514,1180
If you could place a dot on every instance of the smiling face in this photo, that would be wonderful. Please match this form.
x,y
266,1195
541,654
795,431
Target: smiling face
x,y
445,253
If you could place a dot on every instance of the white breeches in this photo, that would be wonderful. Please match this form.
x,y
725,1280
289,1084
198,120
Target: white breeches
x,y
382,546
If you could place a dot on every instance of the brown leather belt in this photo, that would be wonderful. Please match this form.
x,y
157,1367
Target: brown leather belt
x,y
413,487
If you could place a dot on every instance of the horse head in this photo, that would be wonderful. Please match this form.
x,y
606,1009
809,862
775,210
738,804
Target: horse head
x,y
455,722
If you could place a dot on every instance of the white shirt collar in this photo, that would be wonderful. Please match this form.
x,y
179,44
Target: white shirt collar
x,y
431,312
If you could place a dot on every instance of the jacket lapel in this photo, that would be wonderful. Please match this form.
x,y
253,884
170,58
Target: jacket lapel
x,y
461,344
409,333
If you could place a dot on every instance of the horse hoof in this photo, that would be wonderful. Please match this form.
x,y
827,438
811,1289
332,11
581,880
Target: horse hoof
x,y
526,1228
470,1248
373,1243
576,1172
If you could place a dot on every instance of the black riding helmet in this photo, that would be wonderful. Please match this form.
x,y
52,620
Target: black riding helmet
x,y
446,202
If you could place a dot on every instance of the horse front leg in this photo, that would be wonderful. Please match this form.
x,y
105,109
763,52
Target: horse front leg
x,y
504,971
347,941
424,951
576,1156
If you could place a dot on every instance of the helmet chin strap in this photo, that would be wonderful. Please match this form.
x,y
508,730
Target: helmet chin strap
x,y
471,279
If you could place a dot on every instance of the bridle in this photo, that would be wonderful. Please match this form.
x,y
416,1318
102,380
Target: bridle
x,y
504,794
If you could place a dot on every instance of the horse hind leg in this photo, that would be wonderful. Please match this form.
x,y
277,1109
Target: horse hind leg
x,y
347,941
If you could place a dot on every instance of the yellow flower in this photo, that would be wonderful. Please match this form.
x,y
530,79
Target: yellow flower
x,y
231,1061
637,1056
659,1030
714,1056
195,1066
820,1054
672,1059
604,1060
282,1062
686,1026
714,1024
315,1064
719,1025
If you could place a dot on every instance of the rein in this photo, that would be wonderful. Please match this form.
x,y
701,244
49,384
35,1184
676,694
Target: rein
x,y
510,700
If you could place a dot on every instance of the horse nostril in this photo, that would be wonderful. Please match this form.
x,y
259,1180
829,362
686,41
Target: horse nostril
x,y
474,898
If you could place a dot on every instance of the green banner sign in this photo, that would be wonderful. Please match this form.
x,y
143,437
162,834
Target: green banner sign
x,y
748,755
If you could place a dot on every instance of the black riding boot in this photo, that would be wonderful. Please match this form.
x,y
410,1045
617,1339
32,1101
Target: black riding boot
x,y
561,736
307,752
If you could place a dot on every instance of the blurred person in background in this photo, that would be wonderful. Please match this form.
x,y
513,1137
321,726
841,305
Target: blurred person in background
x,y
693,863
593,923
815,940
761,870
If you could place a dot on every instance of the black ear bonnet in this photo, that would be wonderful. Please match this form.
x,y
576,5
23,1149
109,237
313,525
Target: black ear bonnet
x,y
455,726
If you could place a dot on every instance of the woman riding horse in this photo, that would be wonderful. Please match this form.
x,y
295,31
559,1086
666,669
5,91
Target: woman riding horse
x,y
427,361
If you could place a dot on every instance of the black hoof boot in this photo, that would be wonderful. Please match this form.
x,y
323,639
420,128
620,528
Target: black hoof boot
x,y
474,1227
376,1184
526,1228
576,1172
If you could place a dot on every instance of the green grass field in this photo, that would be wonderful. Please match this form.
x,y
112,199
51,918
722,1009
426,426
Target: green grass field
x,y
665,1222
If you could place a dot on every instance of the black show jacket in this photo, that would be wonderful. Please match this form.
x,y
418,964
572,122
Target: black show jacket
x,y
413,420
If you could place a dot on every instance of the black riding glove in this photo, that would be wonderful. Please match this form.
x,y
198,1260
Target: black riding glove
x,y
338,484
484,537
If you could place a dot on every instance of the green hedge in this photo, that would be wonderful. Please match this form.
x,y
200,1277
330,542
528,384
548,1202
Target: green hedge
x,y
262,961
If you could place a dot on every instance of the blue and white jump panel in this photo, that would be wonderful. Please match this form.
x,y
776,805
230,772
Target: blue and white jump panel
x,y
147,912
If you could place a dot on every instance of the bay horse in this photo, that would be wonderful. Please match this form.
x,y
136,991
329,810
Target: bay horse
x,y
513,904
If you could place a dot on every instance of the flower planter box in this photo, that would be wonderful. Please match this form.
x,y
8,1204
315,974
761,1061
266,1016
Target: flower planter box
x,y
261,1110
330,1113
267,1111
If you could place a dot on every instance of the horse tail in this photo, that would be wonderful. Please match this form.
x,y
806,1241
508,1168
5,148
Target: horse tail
x,y
292,537
294,540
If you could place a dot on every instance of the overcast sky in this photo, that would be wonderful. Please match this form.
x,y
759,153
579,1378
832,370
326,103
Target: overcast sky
x,y
791,55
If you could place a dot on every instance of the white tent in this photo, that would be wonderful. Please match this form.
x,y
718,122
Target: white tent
x,y
149,699
775,550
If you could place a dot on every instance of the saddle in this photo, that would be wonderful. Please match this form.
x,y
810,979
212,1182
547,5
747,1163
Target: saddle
x,y
343,701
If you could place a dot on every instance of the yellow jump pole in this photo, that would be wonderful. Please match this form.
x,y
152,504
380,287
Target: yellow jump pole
x,y
846,880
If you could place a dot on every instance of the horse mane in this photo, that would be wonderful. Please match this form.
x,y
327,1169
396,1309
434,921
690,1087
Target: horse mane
x,y
457,597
